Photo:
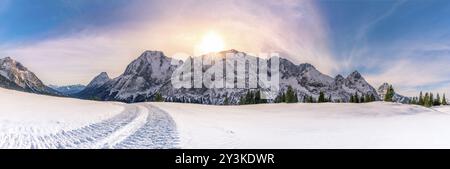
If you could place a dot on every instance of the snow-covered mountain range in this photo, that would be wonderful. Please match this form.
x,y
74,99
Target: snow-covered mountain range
x,y
69,89
13,75
151,73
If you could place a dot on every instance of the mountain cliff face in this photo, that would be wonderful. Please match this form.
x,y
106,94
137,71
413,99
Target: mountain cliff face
x,y
151,74
93,86
13,75
382,90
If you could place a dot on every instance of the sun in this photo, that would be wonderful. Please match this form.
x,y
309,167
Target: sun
x,y
211,42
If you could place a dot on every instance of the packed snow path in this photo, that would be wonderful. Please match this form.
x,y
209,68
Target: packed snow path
x,y
138,126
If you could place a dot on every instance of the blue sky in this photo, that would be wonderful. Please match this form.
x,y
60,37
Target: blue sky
x,y
406,43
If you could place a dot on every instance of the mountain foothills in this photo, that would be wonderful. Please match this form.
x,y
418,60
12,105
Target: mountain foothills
x,y
13,75
148,78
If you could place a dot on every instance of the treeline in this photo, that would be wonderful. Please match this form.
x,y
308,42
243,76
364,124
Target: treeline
x,y
252,97
364,98
429,100
290,96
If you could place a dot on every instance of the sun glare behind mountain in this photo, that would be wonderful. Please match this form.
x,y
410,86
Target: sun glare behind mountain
x,y
211,42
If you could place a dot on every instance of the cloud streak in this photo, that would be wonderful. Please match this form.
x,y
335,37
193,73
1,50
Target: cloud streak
x,y
294,28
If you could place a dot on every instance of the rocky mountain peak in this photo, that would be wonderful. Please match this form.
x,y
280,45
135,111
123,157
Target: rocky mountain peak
x,y
151,54
15,73
229,51
99,80
7,59
339,77
355,75
307,66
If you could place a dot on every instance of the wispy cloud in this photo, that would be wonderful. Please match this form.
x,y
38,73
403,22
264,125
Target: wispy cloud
x,y
359,47
294,28
416,68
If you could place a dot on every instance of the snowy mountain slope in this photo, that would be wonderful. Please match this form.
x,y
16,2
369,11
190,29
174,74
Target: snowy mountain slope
x,y
68,90
16,76
326,125
37,121
151,73
97,82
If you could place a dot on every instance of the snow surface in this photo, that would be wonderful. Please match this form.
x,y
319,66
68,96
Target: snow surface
x,y
445,109
38,121
25,111
372,125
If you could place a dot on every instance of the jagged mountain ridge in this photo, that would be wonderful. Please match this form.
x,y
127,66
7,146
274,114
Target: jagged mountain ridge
x,y
151,72
13,75
97,82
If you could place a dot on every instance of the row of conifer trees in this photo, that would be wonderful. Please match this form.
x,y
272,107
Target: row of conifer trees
x,y
429,100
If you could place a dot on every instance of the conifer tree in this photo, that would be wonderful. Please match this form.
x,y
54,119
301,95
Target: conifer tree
x,y
421,99
226,101
311,99
258,97
291,95
389,94
437,101
295,98
372,98
426,100
431,100
242,100
367,98
158,97
444,100
321,97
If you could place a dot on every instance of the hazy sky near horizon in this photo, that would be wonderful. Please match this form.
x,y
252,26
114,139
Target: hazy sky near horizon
x,y
406,43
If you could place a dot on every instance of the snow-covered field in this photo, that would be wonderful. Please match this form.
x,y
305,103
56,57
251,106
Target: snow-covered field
x,y
372,125
36,121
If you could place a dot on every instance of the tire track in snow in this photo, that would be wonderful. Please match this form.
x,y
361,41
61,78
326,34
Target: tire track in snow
x,y
140,126
84,137
121,134
159,132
